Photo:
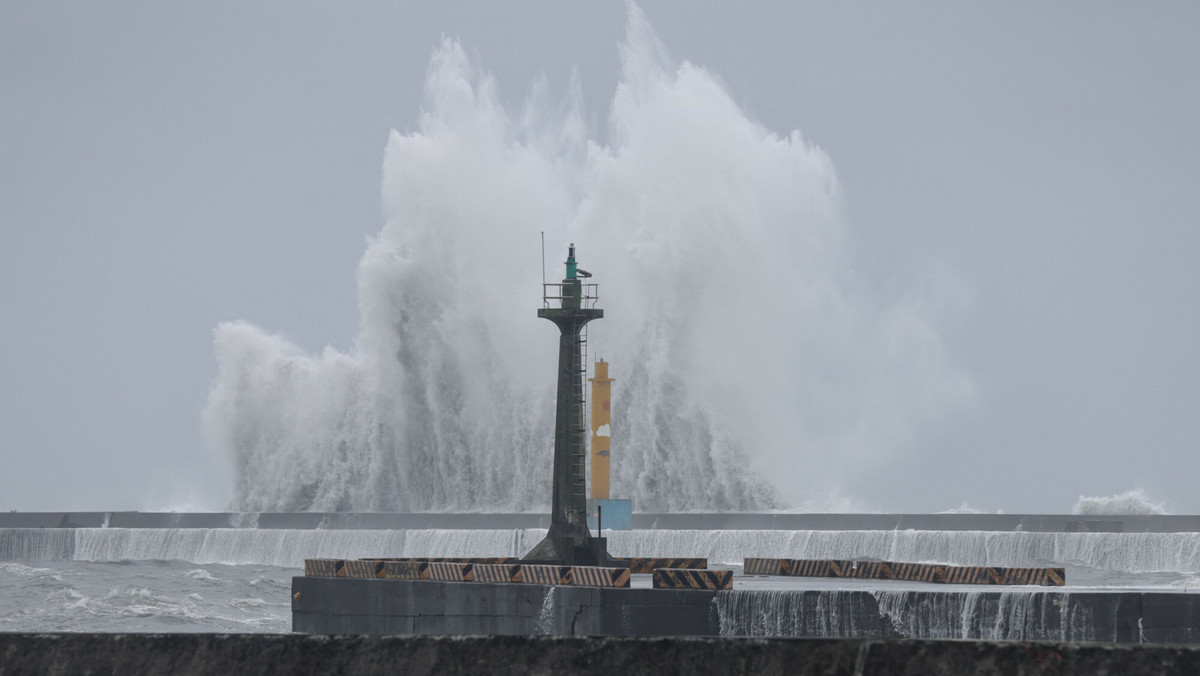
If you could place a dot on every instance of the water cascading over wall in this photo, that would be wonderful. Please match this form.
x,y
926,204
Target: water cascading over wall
x,y
738,352
989,615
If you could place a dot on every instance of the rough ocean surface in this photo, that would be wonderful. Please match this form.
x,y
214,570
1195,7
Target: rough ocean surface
x,y
143,596
745,364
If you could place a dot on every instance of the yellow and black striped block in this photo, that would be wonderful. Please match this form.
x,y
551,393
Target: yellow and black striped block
x,y
496,572
908,572
446,571
683,578
860,570
806,568
645,565
972,575
1046,577
455,559
323,567
918,572
403,570
544,574
493,560
763,566
1049,577
363,569
596,576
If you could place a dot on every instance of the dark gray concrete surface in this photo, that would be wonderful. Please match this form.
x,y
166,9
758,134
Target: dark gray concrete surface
x,y
384,521
364,606
361,606
191,654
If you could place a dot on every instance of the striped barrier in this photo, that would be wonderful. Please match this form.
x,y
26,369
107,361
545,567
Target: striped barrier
x,y
544,574
908,572
803,568
970,575
496,572
403,570
445,571
596,576
1046,577
454,571
684,578
323,567
363,569
859,570
918,572
763,567
452,559
645,565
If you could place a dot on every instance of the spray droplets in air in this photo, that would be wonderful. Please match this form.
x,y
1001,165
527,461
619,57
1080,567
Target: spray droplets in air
x,y
744,371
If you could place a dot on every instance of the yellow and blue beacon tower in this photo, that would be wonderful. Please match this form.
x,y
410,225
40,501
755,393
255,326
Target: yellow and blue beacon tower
x,y
603,511
601,431
569,542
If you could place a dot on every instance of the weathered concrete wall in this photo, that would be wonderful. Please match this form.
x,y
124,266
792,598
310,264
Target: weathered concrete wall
x,y
192,654
361,606
364,606
383,521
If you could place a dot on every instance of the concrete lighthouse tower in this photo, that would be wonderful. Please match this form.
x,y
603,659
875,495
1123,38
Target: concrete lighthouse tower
x,y
569,541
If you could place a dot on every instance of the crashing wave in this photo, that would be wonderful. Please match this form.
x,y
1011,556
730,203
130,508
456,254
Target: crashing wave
x,y
745,369
1132,502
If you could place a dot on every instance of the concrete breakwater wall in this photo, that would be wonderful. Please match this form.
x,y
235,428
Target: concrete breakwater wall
x,y
1096,559
193,654
366,606
1036,523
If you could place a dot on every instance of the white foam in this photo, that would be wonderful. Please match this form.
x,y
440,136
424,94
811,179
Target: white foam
x,y
964,508
731,328
1129,502
1004,615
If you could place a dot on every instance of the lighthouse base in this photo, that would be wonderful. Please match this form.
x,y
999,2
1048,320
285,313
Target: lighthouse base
x,y
571,547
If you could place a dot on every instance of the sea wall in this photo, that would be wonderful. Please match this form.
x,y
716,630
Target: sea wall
x,y
1092,559
193,654
366,606
1044,523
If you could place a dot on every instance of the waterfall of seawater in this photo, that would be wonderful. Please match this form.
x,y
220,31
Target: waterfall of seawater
x,y
738,349
989,615
545,618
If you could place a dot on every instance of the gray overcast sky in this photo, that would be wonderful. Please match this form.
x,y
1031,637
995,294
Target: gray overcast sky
x,y
167,166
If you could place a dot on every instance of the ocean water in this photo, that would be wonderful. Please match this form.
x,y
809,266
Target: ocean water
x,y
144,596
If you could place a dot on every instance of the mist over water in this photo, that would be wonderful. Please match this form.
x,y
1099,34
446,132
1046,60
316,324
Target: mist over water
x,y
747,372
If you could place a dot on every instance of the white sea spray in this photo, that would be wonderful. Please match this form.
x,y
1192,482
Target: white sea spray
x,y
745,365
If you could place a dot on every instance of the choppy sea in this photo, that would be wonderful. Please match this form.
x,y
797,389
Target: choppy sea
x,y
144,596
